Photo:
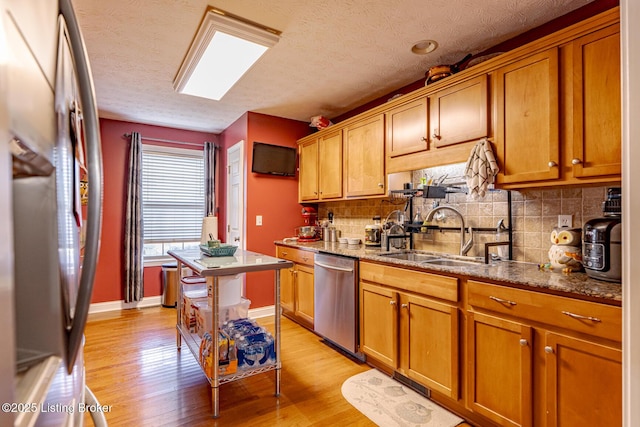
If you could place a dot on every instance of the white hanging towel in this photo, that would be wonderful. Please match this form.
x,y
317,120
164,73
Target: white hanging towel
x,y
481,169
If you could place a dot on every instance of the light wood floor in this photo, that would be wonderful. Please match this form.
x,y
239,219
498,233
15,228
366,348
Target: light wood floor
x,y
132,364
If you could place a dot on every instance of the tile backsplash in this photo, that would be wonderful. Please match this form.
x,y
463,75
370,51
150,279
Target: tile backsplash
x,y
534,214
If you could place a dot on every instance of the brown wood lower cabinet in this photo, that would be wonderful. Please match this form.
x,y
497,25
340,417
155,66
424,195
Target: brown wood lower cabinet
x,y
296,286
411,333
500,376
530,362
583,382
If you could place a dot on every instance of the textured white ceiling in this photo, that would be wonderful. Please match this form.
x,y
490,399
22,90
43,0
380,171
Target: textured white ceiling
x,y
334,55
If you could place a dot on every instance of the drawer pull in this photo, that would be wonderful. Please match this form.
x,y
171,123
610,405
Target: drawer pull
x,y
524,342
580,317
548,349
405,306
502,301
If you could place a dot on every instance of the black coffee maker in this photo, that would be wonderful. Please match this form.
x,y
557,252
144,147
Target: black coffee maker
x,y
602,240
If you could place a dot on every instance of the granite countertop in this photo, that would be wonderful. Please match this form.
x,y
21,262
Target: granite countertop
x,y
520,274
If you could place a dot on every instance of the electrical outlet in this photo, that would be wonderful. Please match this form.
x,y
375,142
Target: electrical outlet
x,y
258,219
565,221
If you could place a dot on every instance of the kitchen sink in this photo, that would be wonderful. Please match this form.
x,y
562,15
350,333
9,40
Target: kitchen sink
x,y
450,262
412,256
433,259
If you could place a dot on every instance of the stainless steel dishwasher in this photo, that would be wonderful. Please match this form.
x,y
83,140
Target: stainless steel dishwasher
x,y
336,301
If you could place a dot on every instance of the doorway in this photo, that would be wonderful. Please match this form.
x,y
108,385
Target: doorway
x,y
235,196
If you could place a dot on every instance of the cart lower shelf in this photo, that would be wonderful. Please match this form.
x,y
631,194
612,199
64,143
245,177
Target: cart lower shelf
x,y
192,341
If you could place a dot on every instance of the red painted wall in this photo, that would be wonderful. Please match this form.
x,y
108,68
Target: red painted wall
x,y
275,198
109,282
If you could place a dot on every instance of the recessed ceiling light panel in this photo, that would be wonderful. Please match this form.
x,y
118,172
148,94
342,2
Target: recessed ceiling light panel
x,y
223,50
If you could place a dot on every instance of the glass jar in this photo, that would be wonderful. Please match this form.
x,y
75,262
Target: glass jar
x,y
373,232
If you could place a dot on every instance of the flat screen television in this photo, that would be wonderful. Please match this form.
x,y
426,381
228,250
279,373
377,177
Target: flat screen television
x,y
273,159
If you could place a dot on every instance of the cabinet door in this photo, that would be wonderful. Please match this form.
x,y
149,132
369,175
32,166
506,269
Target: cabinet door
x,y
379,324
459,113
286,289
527,134
500,376
364,158
304,294
330,166
430,338
406,127
583,381
308,179
596,104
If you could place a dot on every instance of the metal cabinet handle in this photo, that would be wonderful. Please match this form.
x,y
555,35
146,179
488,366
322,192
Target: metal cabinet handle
x,y
524,342
576,161
392,302
285,253
502,301
405,306
580,317
552,164
435,136
548,349
423,139
380,185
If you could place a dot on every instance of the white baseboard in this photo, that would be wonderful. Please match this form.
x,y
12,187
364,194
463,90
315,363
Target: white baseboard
x,y
103,307
256,313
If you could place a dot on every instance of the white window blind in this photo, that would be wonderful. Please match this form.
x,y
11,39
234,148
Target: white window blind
x,y
172,194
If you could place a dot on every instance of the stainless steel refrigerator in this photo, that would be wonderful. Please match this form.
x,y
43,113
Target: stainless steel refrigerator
x,y
50,127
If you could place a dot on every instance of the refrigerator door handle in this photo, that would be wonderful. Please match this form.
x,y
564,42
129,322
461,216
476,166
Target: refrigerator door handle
x,y
94,165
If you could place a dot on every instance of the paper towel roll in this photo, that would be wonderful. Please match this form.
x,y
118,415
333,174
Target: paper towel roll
x,y
209,225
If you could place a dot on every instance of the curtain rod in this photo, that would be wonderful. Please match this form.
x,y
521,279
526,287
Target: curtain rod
x,y
171,141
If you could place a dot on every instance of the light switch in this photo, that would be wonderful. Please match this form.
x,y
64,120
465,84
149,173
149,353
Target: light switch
x,y
258,219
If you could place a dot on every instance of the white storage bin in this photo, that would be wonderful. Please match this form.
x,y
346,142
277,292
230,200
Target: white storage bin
x,y
230,289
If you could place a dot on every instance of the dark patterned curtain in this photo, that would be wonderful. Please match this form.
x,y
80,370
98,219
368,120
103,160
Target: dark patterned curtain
x,y
133,243
210,164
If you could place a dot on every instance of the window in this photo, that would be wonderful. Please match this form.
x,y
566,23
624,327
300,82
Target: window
x,y
172,199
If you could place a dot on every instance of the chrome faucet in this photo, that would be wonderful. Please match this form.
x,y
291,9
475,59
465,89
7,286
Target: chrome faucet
x,y
464,246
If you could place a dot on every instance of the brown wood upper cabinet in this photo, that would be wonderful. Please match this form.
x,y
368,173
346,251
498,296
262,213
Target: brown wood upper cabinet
x,y
547,136
406,127
364,158
321,168
528,133
459,113
596,104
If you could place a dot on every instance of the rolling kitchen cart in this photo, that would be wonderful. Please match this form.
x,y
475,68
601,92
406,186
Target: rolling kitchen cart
x,y
212,268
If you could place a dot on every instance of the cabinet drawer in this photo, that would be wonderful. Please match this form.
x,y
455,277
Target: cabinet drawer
x,y
582,316
434,285
298,256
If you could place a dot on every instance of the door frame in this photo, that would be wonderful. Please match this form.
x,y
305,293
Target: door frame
x,y
237,148
630,33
